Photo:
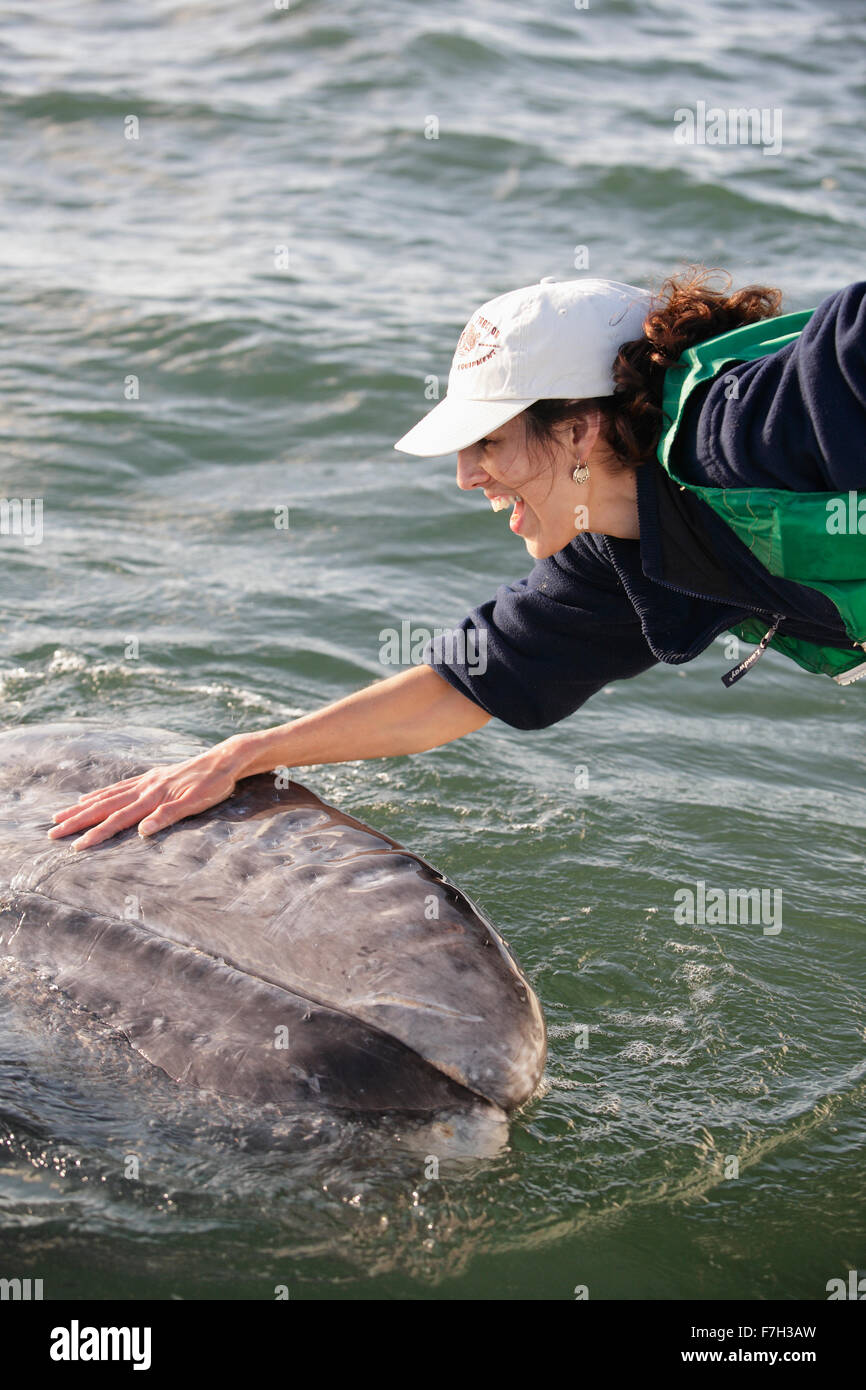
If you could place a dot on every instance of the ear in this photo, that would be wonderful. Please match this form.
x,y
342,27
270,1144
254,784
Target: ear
x,y
584,432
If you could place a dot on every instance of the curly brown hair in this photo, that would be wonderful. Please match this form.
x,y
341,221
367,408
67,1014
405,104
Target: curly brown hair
x,y
686,310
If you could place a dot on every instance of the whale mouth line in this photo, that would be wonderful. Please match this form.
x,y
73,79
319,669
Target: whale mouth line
x,y
398,1001
136,927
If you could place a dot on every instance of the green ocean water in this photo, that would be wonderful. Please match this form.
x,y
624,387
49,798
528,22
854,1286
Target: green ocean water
x,y
239,311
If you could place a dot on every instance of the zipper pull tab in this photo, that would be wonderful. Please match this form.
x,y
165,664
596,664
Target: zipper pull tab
x,y
736,672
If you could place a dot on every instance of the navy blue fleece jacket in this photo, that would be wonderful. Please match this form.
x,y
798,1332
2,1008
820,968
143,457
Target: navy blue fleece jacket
x,y
603,609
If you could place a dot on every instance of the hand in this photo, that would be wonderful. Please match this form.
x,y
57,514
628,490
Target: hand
x,y
152,800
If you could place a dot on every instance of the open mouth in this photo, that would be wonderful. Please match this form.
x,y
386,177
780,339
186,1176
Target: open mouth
x,y
504,500
508,499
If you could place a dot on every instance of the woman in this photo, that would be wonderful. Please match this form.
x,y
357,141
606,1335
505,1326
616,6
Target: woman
x,y
555,407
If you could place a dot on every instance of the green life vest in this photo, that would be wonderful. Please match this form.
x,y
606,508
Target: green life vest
x,y
813,538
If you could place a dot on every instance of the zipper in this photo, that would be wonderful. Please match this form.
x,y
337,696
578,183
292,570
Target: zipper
x,y
736,672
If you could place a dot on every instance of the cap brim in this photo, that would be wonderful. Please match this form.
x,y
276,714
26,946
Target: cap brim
x,y
454,424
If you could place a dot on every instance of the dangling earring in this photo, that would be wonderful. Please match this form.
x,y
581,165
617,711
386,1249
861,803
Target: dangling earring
x,y
581,472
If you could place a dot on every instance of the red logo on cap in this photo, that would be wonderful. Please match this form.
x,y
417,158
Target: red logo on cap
x,y
472,338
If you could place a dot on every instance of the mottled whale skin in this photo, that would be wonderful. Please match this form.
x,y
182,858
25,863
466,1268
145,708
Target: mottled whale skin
x,y
271,948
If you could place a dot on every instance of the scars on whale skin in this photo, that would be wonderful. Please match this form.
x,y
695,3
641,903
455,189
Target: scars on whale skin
x,y
271,948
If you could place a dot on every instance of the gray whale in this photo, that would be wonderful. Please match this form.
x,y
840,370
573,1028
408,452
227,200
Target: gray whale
x,y
271,948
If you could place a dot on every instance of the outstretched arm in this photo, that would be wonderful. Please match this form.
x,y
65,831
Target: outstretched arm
x,y
407,713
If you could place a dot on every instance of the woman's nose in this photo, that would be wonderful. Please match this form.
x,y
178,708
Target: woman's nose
x,y
469,470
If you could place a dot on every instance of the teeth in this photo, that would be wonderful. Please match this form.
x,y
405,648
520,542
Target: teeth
x,y
500,503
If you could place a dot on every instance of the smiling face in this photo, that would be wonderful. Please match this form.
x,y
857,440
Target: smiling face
x,y
540,486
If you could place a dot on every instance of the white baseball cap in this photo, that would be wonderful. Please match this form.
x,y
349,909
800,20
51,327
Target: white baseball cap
x,y
554,340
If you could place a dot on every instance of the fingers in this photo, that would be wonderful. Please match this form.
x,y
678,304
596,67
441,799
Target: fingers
x,y
184,804
142,812
65,814
88,798
137,801
78,817
120,820
160,818
112,787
